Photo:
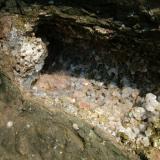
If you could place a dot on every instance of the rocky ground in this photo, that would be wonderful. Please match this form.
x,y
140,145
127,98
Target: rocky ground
x,y
31,131
95,92
99,67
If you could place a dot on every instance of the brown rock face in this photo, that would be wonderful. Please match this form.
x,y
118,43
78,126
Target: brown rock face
x,y
155,154
31,132
5,26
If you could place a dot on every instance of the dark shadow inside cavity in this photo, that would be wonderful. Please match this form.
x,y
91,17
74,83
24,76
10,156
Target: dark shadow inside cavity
x,y
97,60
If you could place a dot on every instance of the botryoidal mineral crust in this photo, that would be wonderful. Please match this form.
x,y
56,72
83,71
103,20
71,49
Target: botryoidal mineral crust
x,y
28,52
31,131
23,54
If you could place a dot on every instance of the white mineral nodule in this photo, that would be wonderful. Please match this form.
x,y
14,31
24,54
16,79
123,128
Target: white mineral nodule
x,y
9,124
143,140
126,92
75,126
30,53
142,127
146,141
148,132
139,113
151,103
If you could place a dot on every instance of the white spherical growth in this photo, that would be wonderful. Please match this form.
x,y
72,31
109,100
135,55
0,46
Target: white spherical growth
x,y
151,103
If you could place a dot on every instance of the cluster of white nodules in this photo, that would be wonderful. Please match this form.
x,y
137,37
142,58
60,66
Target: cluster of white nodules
x,y
141,123
29,53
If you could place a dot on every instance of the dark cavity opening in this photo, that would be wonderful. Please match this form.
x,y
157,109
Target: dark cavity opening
x,y
123,61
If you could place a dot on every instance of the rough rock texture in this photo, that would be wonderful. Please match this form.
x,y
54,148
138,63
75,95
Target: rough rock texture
x,y
110,53
30,131
28,52
144,121
29,56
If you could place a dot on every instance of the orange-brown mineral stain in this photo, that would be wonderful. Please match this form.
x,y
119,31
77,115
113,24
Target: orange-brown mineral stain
x,y
52,82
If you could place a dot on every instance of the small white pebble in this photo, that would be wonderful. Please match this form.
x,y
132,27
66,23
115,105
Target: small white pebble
x,y
35,88
113,134
75,126
9,124
150,102
122,26
100,84
56,100
103,143
28,125
61,152
86,83
33,155
73,100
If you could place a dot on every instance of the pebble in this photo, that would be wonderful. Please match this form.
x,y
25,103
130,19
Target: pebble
x,y
9,124
75,126
86,83
122,27
73,100
151,102
28,125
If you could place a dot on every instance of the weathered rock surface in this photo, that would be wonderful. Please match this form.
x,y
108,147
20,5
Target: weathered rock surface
x,y
28,52
113,46
30,131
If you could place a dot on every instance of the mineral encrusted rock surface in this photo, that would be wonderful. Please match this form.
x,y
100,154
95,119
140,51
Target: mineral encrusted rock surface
x,y
100,63
28,52
29,130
